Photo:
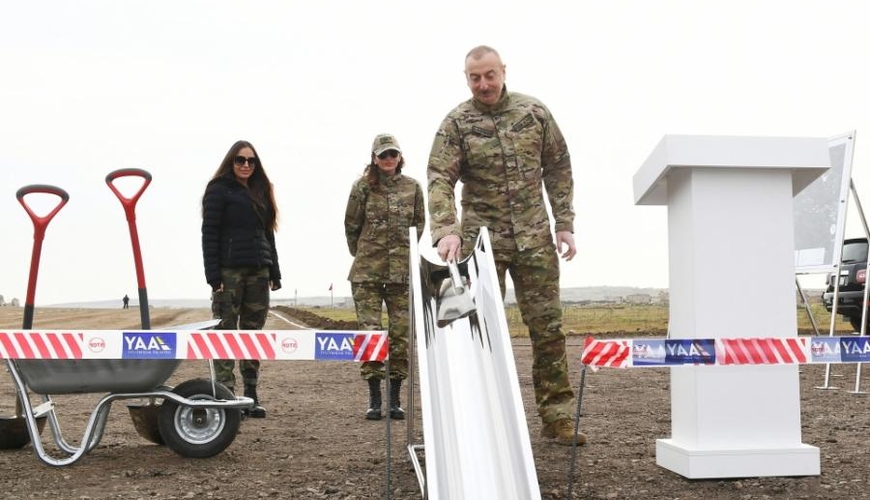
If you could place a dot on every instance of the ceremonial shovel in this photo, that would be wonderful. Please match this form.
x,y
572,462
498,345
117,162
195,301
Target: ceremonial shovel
x,y
13,431
454,299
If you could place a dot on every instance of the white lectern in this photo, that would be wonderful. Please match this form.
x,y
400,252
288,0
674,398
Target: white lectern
x,y
731,258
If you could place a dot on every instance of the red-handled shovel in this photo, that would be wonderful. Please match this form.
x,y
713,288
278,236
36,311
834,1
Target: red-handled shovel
x,y
130,209
13,431
144,416
39,225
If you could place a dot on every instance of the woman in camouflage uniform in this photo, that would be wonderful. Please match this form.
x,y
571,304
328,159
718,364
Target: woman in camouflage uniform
x,y
382,205
239,218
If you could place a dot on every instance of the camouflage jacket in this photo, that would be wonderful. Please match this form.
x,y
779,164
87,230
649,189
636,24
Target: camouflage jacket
x,y
376,224
504,154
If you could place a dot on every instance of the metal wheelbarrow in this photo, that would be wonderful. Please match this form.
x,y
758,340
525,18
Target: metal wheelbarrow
x,y
198,418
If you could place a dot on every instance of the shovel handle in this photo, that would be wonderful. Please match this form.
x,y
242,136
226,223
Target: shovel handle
x,y
129,205
454,274
41,222
39,225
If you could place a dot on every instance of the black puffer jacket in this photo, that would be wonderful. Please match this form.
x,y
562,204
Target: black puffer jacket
x,y
233,232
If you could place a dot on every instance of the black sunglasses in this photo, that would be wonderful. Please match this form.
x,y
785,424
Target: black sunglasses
x,y
240,160
392,153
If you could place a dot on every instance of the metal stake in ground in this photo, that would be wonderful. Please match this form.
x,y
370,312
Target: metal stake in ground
x,y
129,205
573,467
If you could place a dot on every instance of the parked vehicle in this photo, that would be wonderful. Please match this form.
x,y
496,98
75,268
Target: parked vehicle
x,y
853,279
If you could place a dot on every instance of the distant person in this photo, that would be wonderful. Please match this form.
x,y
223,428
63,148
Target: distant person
x,y
506,149
126,301
382,205
239,219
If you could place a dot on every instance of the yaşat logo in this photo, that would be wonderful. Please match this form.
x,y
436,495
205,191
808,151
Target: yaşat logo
x,y
289,345
96,344
336,346
147,345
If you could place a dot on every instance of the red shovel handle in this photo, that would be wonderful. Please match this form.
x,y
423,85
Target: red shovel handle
x,y
39,225
129,205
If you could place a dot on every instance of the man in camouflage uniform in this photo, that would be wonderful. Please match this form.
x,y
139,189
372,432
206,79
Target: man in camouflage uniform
x,y
382,205
505,147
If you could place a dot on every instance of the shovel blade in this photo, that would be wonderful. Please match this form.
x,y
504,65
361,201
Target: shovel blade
x,y
454,302
14,433
145,421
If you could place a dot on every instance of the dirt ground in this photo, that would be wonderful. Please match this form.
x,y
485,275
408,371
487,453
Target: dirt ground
x,y
315,443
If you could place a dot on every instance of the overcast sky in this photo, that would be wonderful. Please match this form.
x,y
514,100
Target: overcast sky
x,y
87,87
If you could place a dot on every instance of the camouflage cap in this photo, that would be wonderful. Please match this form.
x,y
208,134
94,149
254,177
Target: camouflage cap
x,y
384,142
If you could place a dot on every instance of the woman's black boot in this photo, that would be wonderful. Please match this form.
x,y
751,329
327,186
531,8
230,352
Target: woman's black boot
x,y
256,411
396,411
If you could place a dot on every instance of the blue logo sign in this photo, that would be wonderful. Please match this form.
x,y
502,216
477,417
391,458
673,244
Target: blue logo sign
x,y
333,346
673,352
149,345
855,349
840,349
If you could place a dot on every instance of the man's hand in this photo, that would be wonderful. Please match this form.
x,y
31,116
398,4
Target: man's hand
x,y
449,248
563,237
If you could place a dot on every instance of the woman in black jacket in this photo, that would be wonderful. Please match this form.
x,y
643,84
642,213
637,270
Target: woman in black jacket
x,y
239,219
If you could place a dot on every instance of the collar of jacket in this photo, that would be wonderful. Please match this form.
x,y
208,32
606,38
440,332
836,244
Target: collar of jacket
x,y
228,181
502,102
387,179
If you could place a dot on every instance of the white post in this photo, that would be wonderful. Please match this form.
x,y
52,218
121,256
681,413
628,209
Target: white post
x,y
731,269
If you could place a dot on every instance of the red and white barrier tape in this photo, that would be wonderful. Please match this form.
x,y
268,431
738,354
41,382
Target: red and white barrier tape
x,y
634,353
334,345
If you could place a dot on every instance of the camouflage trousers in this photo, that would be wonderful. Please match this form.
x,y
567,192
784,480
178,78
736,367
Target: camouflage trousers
x,y
535,274
368,299
242,305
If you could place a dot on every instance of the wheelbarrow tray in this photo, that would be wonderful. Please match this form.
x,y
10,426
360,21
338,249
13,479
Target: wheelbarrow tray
x,y
50,376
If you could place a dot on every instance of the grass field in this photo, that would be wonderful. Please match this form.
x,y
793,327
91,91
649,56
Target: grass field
x,y
619,319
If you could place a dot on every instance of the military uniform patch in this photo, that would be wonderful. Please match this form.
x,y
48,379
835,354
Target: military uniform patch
x,y
482,132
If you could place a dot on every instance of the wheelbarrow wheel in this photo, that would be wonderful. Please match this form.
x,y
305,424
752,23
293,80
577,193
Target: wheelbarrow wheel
x,y
198,432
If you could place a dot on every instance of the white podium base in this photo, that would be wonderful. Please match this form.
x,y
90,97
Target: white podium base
x,y
801,460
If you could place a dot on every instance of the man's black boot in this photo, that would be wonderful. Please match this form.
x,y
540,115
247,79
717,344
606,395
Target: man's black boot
x,y
256,411
374,411
396,411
